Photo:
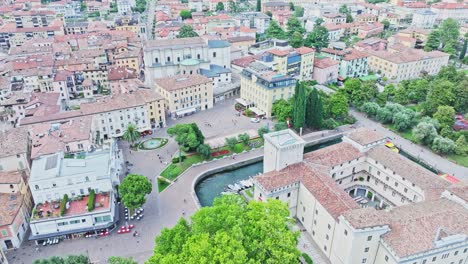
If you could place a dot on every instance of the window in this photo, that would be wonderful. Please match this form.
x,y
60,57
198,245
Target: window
x,y
11,186
83,220
366,249
74,222
326,237
456,253
100,219
214,54
302,219
289,194
369,238
36,187
386,258
346,232
325,248
364,260
62,223
329,226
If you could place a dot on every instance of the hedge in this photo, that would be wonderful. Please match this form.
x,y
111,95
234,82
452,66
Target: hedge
x,y
307,258
176,159
91,199
63,204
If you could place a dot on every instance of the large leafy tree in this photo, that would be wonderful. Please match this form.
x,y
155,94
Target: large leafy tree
x,y
314,114
445,115
275,31
187,136
338,105
131,134
296,40
461,99
220,6
449,32
299,107
186,31
344,10
433,41
133,190
440,93
425,133
318,38
282,109
294,25
230,232
185,14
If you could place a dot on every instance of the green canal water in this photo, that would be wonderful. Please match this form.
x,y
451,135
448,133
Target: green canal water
x,y
212,186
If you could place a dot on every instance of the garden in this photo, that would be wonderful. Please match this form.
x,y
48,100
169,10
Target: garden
x,y
424,111
192,150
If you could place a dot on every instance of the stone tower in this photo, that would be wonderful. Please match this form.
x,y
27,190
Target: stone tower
x,y
282,148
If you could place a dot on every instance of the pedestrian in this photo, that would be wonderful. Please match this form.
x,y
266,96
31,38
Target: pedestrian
x,y
183,212
185,201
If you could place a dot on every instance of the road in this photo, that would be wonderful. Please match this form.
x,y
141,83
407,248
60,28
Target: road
x,y
418,151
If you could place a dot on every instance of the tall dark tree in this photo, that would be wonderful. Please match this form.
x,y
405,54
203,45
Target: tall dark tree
x,y
259,5
198,132
463,51
299,107
314,114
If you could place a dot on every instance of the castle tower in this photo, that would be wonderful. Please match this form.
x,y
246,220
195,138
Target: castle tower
x,y
282,148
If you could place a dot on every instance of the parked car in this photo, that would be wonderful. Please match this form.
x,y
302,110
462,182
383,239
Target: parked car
x,y
254,120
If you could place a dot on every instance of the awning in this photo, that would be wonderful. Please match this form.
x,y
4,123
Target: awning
x,y
257,111
186,111
243,102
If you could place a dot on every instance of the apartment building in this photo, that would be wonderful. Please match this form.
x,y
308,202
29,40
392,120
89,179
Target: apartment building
x,y
32,18
16,182
261,87
76,27
124,7
255,20
15,150
363,203
334,19
57,176
112,114
401,63
185,94
169,57
127,23
14,216
298,63
129,59
326,70
424,19
446,10
275,6
353,63
11,35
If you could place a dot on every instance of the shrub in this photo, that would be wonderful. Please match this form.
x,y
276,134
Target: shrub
x,y
350,119
238,148
176,159
280,126
63,204
425,133
369,195
330,123
443,145
307,258
394,107
249,112
204,150
244,138
361,178
461,147
402,121
231,142
263,130
370,108
91,200
384,115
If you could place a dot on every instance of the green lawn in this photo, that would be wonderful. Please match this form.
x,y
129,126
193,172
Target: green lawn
x,y
174,170
460,160
162,185
407,134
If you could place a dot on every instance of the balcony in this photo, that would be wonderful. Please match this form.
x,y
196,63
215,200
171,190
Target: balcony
x,y
75,206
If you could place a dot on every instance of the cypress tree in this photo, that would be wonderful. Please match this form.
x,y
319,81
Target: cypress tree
x,y
314,110
259,5
299,109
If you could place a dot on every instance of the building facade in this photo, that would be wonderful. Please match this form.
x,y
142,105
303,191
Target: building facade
x,y
363,203
185,94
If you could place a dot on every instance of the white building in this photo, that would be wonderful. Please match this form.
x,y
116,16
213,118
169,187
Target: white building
x,y
54,176
124,7
169,57
424,19
255,20
363,203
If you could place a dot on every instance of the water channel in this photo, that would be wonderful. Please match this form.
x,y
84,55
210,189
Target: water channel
x,y
211,187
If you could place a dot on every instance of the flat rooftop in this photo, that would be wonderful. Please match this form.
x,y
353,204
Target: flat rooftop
x,y
284,138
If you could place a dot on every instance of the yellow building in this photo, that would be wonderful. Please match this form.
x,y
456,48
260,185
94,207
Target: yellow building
x,y
128,59
401,63
127,24
186,94
261,87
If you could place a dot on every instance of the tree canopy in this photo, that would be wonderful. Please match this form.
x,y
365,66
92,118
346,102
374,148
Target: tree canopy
x,y
220,6
187,136
72,259
230,232
294,25
185,14
131,133
282,109
318,38
133,190
186,31
275,31
296,40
